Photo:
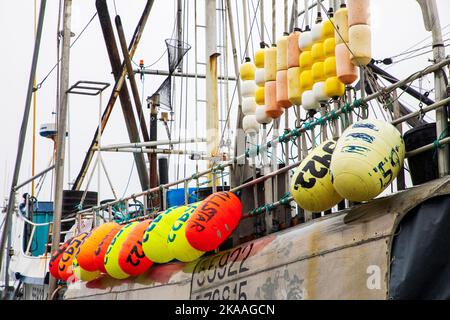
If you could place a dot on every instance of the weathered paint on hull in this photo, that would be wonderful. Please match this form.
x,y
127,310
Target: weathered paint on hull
x,y
343,256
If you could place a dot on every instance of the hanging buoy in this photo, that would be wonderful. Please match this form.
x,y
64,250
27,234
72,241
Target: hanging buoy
x,y
341,20
318,73
305,60
132,259
306,80
319,91
85,255
327,29
309,101
294,92
250,125
259,77
248,88
177,241
56,258
282,89
65,268
358,12
270,64
346,71
83,274
367,159
261,115
155,237
99,254
259,58
329,67
360,45
317,52
334,88
247,70
305,40
213,221
329,46
282,46
311,184
316,32
273,110
260,96
248,105
112,266
293,51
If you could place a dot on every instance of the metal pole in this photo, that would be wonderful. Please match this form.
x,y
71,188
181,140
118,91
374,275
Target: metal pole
x,y
152,143
397,114
179,33
23,132
433,24
61,139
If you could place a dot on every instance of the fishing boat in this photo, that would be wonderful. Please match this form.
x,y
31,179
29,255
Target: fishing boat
x,y
290,164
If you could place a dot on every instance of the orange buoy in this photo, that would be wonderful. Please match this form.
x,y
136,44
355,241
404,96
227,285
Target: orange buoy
x,y
132,259
56,257
293,51
282,89
346,71
213,221
65,268
358,12
99,254
85,255
273,110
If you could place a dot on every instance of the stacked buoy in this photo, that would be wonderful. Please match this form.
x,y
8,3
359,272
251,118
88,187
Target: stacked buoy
x,y
260,112
346,71
248,90
282,72
360,36
273,109
333,87
293,55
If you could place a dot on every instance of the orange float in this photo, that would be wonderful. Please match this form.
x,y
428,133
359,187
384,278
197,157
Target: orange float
x,y
132,259
99,254
273,109
214,221
282,89
85,255
56,257
65,269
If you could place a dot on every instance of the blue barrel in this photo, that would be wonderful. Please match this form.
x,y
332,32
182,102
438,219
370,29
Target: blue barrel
x,y
43,212
175,197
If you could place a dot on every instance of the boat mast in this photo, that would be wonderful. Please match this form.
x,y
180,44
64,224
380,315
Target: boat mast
x,y
23,133
433,24
61,141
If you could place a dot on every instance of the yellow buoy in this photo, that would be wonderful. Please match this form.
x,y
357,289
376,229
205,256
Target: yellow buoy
x,y
259,58
306,80
154,243
330,67
177,242
260,96
282,45
334,88
318,52
311,184
270,64
327,29
305,60
341,18
329,46
318,73
83,274
294,92
112,254
247,70
360,44
367,159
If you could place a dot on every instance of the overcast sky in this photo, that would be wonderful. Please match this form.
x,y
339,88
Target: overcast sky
x,y
396,26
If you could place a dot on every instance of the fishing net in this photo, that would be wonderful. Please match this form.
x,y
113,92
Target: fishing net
x,y
176,50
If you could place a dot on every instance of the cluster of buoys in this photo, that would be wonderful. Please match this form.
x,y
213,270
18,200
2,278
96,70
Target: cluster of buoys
x,y
180,233
361,165
308,67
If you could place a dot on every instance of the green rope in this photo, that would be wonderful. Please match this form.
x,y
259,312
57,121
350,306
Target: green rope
x,y
437,143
